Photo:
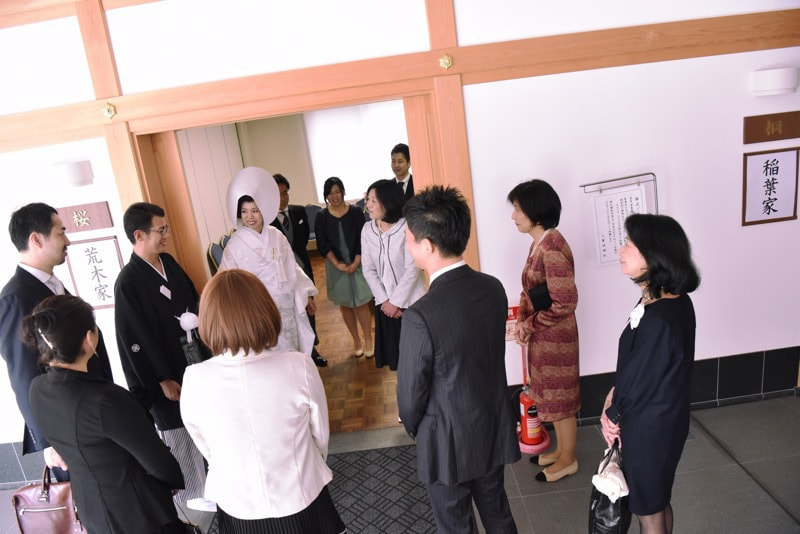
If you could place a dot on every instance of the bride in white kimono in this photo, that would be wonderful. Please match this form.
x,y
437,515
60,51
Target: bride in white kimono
x,y
257,247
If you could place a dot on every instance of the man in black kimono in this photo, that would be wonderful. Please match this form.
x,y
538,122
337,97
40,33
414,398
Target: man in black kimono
x,y
38,234
151,293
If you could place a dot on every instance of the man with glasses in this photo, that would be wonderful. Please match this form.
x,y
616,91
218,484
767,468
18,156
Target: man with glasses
x,y
151,293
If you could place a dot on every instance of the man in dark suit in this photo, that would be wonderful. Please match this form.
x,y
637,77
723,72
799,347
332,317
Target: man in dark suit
x,y
39,235
292,221
401,161
452,390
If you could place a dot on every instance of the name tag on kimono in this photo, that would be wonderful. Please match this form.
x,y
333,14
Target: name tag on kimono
x,y
166,292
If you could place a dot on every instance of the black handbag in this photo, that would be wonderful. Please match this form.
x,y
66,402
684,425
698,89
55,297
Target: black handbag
x,y
606,517
195,350
540,297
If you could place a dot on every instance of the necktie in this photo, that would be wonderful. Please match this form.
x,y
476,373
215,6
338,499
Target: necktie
x,y
287,225
55,285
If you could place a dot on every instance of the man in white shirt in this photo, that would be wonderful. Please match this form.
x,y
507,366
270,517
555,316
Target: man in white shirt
x,y
401,162
452,390
38,233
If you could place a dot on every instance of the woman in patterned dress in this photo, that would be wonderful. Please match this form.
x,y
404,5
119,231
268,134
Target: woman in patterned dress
x,y
546,322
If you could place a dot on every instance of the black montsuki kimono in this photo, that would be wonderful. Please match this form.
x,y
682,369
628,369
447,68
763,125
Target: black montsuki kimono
x,y
149,334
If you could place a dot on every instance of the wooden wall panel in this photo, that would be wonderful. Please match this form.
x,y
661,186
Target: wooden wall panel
x,y
189,252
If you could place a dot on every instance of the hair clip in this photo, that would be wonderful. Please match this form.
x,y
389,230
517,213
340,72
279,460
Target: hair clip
x,y
47,341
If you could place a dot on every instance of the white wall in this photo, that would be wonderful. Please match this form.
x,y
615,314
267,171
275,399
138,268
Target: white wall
x,y
195,41
29,176
279,145
681,120
355,144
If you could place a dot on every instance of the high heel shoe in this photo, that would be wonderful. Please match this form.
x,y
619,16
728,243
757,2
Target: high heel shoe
x,y
571,469
542,462
359,349
369,351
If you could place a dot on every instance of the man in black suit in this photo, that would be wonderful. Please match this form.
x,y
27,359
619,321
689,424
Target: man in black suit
x,y
292,221
39,235
401,161
452,390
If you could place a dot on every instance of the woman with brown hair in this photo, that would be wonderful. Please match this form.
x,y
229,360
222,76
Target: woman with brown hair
x,y
259,416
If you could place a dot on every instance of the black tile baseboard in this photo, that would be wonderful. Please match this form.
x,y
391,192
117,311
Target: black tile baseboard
x,y
715,381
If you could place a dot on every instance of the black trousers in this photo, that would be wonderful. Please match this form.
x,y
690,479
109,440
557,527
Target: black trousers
x,y
452,505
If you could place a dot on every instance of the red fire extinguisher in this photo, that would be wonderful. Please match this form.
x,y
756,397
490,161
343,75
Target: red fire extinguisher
x,y
530,425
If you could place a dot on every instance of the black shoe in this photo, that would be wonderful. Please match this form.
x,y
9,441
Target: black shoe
x,y
319,361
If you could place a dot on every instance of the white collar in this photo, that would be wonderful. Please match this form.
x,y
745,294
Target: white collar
x,y
443,270
40,275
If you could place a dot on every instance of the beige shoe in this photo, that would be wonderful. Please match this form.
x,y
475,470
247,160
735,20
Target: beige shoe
x,y
358,349
571,469
369,352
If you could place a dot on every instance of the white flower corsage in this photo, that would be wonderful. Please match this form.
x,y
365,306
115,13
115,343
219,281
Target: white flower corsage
x,y
636,315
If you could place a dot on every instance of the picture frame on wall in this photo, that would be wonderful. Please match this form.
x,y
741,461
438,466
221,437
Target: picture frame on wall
x,y
770,186
94,265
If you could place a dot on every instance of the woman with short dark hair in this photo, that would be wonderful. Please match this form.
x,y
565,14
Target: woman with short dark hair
x,y
259,416
122,474
338,231
546,323
648,408
389,268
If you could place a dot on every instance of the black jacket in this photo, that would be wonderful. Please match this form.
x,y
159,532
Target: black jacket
x,y
20,295
121,473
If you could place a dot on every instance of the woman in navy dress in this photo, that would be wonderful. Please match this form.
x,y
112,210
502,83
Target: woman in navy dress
x,y
648,408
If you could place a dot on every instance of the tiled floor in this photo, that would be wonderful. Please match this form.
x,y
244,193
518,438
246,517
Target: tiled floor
x,y
740,473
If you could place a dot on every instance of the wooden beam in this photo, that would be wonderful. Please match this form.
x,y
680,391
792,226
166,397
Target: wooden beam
x,y
97,43
451,124
423,142
627,46
244,111
124,163
360,81
51,126
441,23
21,12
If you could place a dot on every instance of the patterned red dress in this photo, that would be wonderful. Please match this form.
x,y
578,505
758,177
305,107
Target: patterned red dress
x,y
553,345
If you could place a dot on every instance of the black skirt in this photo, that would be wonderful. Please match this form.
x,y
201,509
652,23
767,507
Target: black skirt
x,y
387,340
319,517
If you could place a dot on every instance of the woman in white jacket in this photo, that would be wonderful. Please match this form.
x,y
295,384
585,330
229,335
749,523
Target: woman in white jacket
x,y
388,268
259,416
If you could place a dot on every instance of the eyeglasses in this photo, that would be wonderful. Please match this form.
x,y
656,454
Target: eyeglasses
x,y
164,230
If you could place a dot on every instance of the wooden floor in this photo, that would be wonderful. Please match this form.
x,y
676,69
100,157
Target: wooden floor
x,y
360,396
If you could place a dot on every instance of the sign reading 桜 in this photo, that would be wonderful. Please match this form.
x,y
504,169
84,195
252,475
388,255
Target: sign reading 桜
x,y
84,217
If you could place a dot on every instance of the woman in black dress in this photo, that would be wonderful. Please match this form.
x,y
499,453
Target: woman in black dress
x,y
648,409
122,475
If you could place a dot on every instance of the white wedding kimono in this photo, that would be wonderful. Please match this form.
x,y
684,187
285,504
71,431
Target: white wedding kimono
x,y
269,256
